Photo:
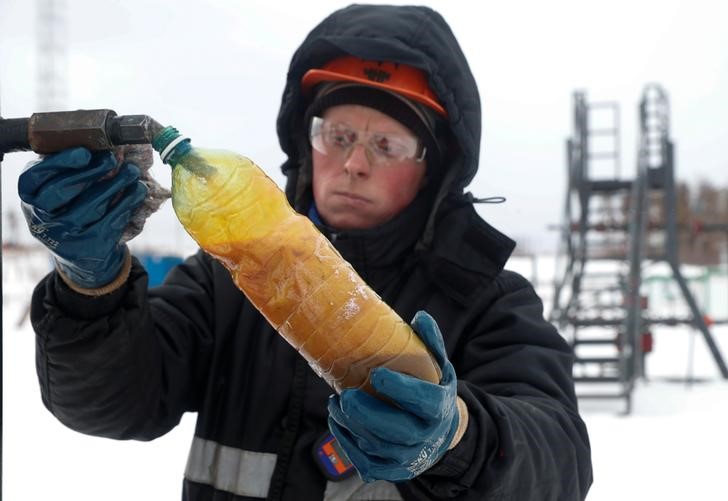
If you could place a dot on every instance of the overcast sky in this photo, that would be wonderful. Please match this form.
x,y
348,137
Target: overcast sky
x,y
216,68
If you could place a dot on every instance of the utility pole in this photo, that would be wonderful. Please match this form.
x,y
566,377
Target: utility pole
x,y
51,55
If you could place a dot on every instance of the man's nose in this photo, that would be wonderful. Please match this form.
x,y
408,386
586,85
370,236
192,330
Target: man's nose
x,y
357,163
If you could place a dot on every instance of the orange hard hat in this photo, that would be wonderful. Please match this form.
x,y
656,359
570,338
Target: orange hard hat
x,y
401,79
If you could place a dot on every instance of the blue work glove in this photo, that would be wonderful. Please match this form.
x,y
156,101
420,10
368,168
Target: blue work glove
x,y
77,203
386,442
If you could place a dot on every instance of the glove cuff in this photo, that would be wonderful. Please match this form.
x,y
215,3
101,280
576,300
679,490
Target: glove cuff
x,y
106,289
464,415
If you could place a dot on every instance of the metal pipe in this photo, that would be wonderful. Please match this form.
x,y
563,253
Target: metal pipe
x,y
51,132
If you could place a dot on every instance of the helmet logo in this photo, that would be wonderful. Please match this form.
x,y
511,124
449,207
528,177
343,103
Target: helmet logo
x,y
377,75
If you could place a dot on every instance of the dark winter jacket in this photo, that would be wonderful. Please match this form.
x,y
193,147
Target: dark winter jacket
x,y
128,365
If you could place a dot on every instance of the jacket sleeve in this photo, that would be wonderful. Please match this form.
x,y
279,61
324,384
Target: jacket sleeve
x,y
128,364
525,439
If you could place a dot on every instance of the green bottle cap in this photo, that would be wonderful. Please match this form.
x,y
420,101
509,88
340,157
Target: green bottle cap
x,y
168,142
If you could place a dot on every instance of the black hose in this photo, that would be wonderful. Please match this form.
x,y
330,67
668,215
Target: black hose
x,y
13,135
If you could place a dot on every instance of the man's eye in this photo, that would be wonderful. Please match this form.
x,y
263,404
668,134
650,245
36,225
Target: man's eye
x,y
385,145
339,137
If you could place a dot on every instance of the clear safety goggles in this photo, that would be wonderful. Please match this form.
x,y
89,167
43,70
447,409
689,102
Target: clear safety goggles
x,y
382,148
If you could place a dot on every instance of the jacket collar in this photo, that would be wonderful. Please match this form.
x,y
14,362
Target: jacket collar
x,y
466,253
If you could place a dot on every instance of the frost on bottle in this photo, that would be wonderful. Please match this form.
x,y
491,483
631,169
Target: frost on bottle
x,y
287,268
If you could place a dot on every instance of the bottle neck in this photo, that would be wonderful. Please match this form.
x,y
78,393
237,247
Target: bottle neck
x,y
171,145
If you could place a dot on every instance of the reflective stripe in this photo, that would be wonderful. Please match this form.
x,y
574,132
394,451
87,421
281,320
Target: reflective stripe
x,y
248,473
241,472
353,489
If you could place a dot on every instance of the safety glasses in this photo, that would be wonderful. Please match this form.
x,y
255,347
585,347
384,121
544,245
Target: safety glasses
x,y
382,148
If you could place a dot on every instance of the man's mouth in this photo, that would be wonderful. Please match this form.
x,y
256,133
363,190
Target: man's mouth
x,y
353,197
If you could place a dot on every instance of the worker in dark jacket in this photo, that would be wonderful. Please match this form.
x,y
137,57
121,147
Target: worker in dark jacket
x,y
380,121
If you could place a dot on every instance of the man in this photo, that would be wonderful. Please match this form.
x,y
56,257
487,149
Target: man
x,y
380,120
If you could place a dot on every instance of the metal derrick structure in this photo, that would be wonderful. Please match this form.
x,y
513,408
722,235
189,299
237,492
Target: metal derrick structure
x,y
613,229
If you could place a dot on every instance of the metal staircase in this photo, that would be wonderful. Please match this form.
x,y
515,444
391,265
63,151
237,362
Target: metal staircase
x,y
612,229
589,295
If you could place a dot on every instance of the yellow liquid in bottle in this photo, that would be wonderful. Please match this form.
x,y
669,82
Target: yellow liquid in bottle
x,y
291,272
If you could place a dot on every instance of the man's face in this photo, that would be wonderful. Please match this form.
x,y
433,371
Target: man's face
x,y
358,187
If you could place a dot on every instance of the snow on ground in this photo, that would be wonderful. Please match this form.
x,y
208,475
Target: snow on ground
x,y
44,460
671,447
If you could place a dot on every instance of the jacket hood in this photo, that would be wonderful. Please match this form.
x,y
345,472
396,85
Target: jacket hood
x,y
416,36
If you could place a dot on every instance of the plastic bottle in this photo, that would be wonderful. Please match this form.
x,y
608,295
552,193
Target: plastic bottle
x,y
287,268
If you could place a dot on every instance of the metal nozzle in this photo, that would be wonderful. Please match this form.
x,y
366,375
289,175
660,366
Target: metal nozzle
x,y
132,129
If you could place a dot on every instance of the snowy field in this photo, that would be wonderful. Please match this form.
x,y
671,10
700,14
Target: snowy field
x,y
672,446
